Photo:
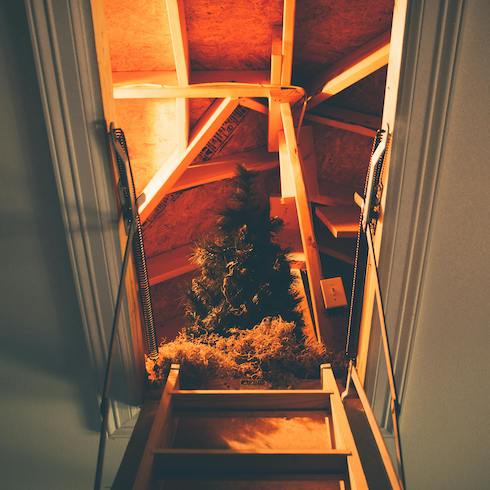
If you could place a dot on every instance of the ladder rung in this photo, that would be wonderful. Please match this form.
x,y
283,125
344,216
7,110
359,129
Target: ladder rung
x,y
184,462
251,400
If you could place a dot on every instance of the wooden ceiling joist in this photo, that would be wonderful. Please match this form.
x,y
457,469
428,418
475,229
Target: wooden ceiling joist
x,y
254,105
224,168
355,122
289,10
178,34
286,174
209,91
123,78
349,70
168,175
275,124
281,67
310,248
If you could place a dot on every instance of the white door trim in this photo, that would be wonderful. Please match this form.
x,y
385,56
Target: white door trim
x,y
66,64
428,63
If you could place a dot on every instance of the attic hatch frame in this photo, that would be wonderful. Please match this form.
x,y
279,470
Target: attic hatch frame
x,y
71,82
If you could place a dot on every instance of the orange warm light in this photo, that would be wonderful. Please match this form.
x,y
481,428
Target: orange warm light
x,y
149,126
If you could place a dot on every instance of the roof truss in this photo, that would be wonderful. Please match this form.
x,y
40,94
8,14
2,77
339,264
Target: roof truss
x,y
337,117
168,175
178,33
349,70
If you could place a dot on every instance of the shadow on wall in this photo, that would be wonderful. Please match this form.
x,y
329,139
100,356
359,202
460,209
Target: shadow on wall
x,y
41,331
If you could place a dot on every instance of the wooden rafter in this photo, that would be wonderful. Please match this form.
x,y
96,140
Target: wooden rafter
x,y
305,219
342,430
355,122
209,91
286,170
274,124
176,262
168,175
219,140
178,33
254,105
123,78
287,41
349,70
224,168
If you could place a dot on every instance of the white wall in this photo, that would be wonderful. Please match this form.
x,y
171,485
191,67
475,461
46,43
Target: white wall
x,y
445,425
48,411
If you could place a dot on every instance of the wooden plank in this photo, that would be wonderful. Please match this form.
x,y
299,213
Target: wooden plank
x,y
106,84
342,221
275,124
350,69
342,432
254,105
313,265
170,264
239,76
289,11
219,140
338,117
178,34
389,112
164,180
160,433
185,462
251,400
359,201
209,91
380,441
308,157
335,123
123,78
182,123
286,170
103,60
225,168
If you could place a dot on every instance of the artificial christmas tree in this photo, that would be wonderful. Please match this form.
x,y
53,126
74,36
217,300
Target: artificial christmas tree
x,y
244,275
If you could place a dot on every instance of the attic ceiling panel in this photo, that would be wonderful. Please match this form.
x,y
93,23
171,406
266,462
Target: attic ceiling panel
x,y
187,216
149,127
342,158
231,34
250,134
139,37
365,96
197,108
327,30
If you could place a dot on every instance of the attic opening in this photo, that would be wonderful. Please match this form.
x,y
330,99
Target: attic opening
x,y
194,99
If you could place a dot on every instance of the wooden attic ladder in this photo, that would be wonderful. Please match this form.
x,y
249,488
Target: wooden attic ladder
x,y
169,463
